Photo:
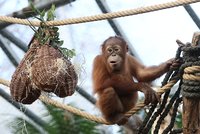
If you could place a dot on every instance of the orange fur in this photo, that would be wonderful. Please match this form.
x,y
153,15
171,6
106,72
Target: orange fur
x,y
112,75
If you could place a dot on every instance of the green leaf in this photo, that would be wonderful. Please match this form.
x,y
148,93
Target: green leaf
x,y
68,53
73,52
35,9
60,43
42,14
55,29
44,38
50,13
39,18
32,27
53,8
57,34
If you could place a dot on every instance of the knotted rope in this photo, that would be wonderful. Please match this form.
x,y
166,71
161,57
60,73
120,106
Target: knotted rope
x,y
154,113
100,16
191,71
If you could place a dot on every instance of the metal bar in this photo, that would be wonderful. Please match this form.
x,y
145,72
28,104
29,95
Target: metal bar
x,y
116,27
14,39
86,95
10,53
22,108
104,9
193,15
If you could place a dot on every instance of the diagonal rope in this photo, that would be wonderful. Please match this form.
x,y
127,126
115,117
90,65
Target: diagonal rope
x,y
86,115
160,91
112,15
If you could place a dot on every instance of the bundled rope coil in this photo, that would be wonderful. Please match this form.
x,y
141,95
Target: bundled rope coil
x,y
191,71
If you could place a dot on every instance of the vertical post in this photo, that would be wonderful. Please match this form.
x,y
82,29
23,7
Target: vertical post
x,y
191,106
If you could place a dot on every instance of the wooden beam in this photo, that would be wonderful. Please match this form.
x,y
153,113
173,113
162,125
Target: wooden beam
x,y
191,106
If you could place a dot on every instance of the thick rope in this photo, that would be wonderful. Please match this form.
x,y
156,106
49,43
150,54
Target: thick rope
x,y
191,72
87,115
173,116
73,110
160,91
153,112
101,16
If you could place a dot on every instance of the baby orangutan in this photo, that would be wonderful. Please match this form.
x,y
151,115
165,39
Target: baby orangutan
x,y
113,73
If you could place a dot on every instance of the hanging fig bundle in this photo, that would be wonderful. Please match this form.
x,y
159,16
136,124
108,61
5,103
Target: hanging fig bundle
x,y
45,67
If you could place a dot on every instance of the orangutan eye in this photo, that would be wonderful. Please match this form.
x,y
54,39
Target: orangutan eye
x,y
116,49
110,50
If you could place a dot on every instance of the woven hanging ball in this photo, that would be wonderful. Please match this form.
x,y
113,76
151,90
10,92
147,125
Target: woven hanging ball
x,y
43,68
22,90
51,72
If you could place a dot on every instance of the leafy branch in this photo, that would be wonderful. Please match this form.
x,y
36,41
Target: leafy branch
x,y
49,34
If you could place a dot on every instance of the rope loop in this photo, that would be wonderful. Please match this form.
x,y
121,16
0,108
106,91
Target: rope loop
x,y
191,71
191,53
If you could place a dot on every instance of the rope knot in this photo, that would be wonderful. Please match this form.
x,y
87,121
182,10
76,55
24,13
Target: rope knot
x,y
191,71
191,53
